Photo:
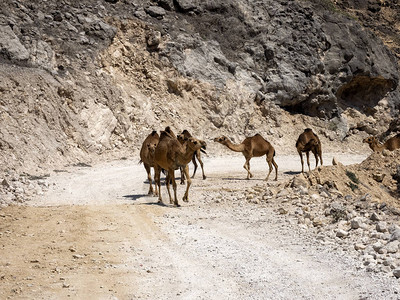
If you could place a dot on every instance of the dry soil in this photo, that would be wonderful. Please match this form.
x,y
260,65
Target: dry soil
x,y
95,234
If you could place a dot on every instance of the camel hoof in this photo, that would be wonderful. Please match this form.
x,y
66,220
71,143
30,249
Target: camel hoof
x,y
185,199
177,204
160,202
204,177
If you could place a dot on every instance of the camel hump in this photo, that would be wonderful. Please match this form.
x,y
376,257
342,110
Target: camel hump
x,y
153,133
186,133
164,135
308,130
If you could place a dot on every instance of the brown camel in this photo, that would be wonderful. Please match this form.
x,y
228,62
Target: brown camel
x,y
254,146
147,156
391,144
197,154
170,155
309,141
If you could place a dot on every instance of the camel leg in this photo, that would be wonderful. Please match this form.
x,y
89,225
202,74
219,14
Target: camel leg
x,y
198,155
308,160
148,170
171,179
155,184
271,162
247,167
194,163
316,158
270,169
157,172
182,176
302,161
188,183
276,169
172,176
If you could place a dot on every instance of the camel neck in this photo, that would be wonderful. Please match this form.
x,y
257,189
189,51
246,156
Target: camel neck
x,y
377,147
186,154
235,147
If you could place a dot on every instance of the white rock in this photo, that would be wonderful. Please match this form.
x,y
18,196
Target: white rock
x,y
381,226
377,246
357,223
341,233
392,247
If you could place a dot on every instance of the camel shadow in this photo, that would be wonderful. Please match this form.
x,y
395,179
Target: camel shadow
x,y
241,179
136,197
292,173
163,204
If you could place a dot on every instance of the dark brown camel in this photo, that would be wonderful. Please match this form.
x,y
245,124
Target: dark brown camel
x,y
196,155
170,155
309,141
147,157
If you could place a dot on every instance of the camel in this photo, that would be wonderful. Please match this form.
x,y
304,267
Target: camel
x,y
309,141
254,146
197,154
147,157
391,144
170,155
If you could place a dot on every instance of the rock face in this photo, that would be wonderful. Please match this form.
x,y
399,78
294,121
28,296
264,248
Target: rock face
x,y
302,56
78,79
11,48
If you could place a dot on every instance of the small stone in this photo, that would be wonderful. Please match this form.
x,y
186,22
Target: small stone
x,y
283,193
381,226
392,247
341,233
377,246
378,177
359,246
317,222
396,273
5,183
375,217
357,223
299,181
282,211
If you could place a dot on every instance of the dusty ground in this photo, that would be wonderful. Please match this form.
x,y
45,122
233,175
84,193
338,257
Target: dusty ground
x,y
96,235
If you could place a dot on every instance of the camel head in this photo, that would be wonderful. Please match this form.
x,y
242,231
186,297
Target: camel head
x,y
370,140
152,147
222,140
196,144
181,138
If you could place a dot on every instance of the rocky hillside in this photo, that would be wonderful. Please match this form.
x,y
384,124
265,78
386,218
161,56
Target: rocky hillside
x,y
87,80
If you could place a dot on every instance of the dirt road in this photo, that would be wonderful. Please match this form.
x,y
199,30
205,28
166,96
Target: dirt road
x,y
97,235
